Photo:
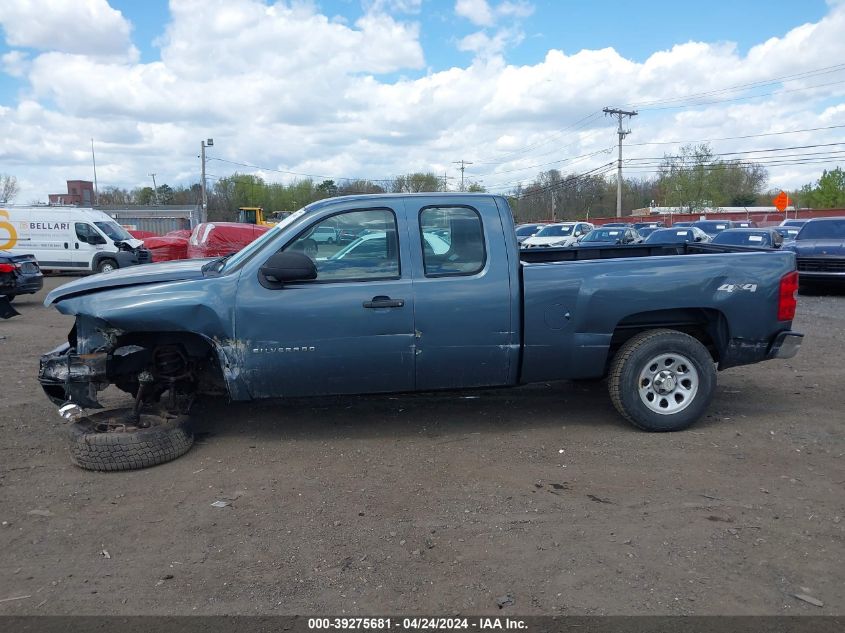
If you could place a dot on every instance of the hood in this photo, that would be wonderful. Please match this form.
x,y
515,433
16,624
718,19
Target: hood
x,y
134,243
818,248
133,276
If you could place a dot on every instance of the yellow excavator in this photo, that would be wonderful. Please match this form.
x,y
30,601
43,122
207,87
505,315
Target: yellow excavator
x,y
254,215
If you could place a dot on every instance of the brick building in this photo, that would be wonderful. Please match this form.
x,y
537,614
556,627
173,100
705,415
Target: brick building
x,y
79,193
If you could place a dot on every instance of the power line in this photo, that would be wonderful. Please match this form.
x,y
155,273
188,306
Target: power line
x,y
463,165
736,138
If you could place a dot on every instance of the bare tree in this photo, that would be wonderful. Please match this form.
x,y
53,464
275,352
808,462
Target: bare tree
x,y
8,188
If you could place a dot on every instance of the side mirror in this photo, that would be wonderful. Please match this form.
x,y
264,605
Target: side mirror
x,y
286,267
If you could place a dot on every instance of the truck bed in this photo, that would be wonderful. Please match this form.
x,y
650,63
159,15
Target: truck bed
x,y
579,253
577,308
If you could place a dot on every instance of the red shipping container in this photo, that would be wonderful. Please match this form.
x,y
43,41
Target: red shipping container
x,y
215,239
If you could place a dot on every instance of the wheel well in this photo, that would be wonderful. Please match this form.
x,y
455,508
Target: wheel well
x,y
705,324
197,349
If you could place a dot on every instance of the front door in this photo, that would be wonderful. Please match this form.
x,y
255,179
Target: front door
x,y
348,331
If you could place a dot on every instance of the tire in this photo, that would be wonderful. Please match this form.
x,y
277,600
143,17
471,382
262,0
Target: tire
x,y
662,380
128,449
106,265
9,298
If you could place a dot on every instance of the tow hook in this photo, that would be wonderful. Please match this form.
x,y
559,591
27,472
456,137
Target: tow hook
x,y
71,412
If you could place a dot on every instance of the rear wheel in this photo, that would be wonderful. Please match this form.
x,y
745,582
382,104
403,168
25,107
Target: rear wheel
x,y
662,380
106,266
113,440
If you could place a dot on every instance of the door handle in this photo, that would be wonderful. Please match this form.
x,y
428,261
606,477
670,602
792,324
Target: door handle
x,y
384,302
65,244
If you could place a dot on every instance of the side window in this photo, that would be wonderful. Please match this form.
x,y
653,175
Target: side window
x,y
372,253
452,241
83,231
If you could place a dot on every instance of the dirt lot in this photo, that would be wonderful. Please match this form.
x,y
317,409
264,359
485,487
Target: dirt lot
x,y
440,503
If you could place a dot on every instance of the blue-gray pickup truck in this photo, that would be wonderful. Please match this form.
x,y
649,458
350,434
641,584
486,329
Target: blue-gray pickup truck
x,y
432,293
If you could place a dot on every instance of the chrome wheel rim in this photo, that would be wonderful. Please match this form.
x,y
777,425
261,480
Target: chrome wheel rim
x,y
668,383
106,268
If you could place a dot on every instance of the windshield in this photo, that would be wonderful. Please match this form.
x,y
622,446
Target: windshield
x,y
246,252
603,235
116,232
555,230
528,229
825,230
742,238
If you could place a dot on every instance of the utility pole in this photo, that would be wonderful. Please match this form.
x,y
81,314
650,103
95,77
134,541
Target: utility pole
x,y
463,165
204,210
155,189
94,161
554,217
446,179
622,134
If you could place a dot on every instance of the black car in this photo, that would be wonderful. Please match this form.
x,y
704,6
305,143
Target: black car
x,y
648,225
611,235
714,227
788,233
677,235
820,250
19,275
757,238
745,224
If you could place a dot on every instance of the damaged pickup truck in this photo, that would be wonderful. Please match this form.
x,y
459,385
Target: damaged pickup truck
x,y
432,293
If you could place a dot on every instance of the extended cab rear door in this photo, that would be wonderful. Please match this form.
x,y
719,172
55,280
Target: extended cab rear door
x,y
463,317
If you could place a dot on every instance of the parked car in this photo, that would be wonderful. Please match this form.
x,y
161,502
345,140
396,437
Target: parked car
x,y
559,234
745,224
647,230
819,248
603,235
714,227
346,236
788,233
325,235
215,239
649,225
524,231
19,275
758,238
271,322
794,222
683,223
616,225
675,235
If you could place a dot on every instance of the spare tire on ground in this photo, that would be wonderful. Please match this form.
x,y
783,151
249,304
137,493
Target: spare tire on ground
x,y
112,440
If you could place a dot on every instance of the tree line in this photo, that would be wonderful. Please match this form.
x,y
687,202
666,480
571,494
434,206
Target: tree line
x,y
692,180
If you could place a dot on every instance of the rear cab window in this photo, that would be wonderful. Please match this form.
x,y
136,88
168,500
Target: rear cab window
x,y
452,241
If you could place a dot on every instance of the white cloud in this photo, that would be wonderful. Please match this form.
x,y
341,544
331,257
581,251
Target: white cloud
x,y
476,11
88,27
15,63
286,87
482,13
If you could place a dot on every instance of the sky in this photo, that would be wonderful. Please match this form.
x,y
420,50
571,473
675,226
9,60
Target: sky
x,y
376,88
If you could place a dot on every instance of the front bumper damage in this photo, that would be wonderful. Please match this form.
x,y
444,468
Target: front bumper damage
x,y
67,376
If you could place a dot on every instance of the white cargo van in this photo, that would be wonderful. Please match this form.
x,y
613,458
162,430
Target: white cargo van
x,y
70,238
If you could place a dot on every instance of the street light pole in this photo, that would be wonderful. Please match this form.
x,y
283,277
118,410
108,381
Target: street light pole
x,y
204,211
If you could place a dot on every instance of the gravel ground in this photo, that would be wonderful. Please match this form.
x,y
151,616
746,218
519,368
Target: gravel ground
x,y
440,503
